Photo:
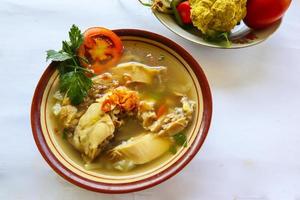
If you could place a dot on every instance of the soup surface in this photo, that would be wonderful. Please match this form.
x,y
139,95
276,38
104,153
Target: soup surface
x,y
137,115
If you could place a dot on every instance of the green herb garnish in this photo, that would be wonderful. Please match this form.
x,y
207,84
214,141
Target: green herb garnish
x,y
173,149
76,84
180,139
57,56
73,79
64,134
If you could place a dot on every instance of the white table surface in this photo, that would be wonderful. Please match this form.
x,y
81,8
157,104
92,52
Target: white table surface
x,y
253,147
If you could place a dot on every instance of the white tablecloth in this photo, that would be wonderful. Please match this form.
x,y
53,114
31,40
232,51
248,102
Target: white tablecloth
x,y
253,147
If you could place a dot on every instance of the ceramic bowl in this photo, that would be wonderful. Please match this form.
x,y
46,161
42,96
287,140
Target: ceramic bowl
x,y
62,158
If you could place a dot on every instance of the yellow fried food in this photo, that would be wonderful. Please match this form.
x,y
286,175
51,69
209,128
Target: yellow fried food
x,y
211,16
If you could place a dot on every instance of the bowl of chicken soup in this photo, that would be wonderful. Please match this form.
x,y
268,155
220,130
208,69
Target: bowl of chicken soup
x,y
140,122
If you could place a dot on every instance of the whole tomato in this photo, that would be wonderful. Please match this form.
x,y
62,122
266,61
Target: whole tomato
x,y
262,13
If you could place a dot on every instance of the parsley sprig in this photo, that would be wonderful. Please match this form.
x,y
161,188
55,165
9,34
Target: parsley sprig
x,y
72,76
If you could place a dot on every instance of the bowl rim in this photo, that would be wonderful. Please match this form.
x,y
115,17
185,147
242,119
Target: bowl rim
x,y
113,188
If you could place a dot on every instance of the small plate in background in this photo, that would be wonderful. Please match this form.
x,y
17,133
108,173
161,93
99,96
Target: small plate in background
x,y
241,36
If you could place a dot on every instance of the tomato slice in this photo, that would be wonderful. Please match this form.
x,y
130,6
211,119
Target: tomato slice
x,y
102,48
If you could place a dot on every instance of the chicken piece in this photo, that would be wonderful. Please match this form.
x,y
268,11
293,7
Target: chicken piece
x,y
146,113
101,83
113,113
134,72
177,120
141,149
187,106
212,16
173,122
67,114
118,122
157,125
170,124
104,80
94,130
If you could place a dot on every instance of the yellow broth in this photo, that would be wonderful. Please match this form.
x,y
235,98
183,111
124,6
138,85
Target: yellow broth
x,y
177,79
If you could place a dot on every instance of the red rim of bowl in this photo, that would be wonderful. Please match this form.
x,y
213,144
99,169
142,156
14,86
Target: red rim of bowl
x,y
113,188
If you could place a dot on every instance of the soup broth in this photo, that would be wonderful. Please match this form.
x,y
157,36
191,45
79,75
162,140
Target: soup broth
x,y
169,91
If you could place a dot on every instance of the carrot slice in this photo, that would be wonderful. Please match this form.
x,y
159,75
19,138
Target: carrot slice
x,y
161,110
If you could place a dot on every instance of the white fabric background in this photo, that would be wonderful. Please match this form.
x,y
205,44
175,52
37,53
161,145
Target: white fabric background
x,y
252,150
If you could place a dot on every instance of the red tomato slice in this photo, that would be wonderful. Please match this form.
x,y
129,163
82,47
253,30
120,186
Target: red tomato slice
x,y
102,48
262,13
